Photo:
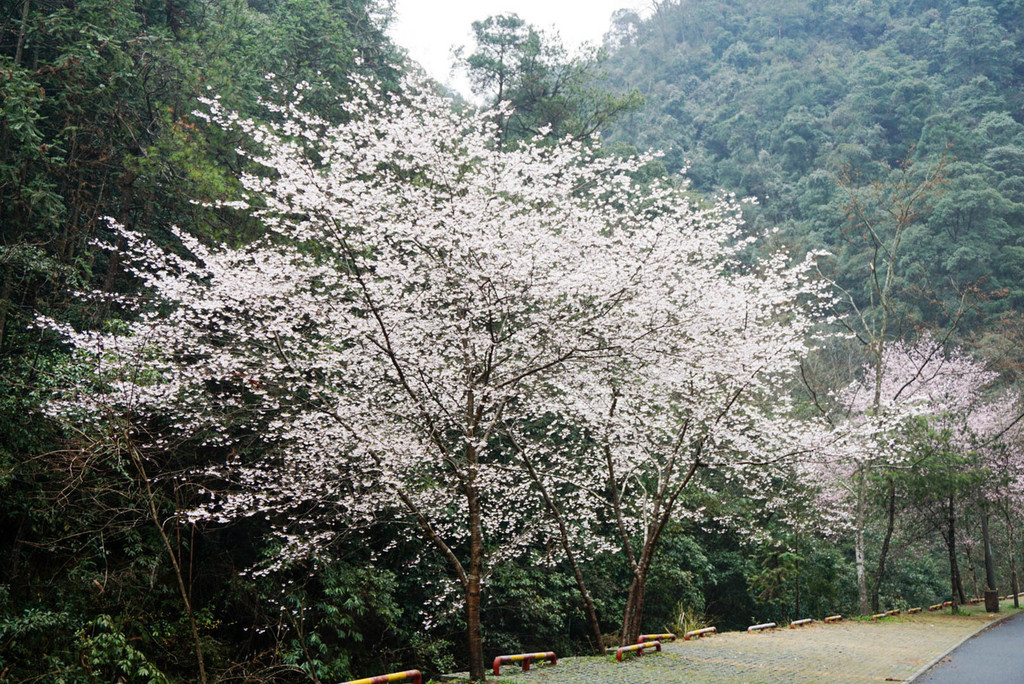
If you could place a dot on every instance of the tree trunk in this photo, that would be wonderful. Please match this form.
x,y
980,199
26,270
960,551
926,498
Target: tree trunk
x,y
1014,586
664,501
475,645
990,566
885,547
973,569
954,572
588,604
22,33
471,588
863,598
5,302
960,586
632,619
796,616
991,591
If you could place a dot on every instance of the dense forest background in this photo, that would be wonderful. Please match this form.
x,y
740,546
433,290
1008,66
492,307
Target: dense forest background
x,y
809,106
906,116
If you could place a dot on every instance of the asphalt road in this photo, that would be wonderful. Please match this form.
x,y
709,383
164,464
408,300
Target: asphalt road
x,y
995,655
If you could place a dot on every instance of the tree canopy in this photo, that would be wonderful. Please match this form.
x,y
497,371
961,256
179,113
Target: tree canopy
x,y
308,372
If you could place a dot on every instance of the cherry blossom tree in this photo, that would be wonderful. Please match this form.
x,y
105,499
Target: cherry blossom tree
x,y
996,430
914,380
709,393
883,214
1010,463
421,297
709,350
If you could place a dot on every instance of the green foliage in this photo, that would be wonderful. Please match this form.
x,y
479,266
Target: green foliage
x,y
533,609
106,655
338,608
773,583
802,103
551,93
679,574
687,619
810,105
95,119
917,577
97,651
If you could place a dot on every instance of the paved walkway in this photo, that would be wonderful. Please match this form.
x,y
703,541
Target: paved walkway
x,y
893,649
995,655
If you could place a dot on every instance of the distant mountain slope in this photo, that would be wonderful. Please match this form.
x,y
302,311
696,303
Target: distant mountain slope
x,y
809,105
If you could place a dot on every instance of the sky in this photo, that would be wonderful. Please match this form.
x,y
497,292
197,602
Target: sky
x,y
429,29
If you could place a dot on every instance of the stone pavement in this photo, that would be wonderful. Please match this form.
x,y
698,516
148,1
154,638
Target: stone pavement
x,y
892,649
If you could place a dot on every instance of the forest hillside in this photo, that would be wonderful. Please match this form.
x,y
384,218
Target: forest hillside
x,y
310,372
815,106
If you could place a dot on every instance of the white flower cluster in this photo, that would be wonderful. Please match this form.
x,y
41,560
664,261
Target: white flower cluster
x,y
424,296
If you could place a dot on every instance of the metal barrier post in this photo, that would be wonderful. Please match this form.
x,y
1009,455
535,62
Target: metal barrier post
x,y
524,659
636,648
758,628
699,633
414,675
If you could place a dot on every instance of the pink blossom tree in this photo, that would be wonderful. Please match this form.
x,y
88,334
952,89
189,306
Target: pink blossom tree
x,y
709,349
422,295
914,380
706,395
997,438
883,214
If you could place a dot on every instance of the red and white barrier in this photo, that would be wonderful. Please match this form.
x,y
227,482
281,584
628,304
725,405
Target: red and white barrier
x,y
699,633
636,648
413,675
759,628
524,659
